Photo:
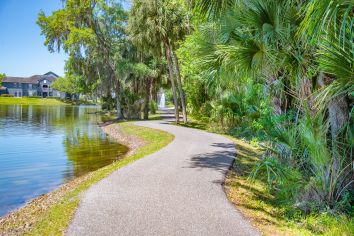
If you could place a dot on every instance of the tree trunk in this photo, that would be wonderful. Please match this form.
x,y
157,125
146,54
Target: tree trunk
x,y
180,88
170,70
338,110
338,114
147,98
119,107
275,97
153,96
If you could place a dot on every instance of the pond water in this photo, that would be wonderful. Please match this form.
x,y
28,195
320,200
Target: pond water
x,y
42,147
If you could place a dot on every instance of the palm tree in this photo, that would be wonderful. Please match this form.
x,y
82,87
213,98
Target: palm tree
x,y
256,38
154,25
329,25
214,9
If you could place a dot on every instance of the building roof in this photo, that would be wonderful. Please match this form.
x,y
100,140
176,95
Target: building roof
x,y
50,76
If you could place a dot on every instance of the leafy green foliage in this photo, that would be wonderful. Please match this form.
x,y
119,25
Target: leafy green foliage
x,y
69,84
254,69
1,77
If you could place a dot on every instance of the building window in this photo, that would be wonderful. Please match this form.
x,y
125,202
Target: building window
x,y
29,86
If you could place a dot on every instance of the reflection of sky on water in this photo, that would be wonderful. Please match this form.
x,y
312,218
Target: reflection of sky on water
x,y
42,147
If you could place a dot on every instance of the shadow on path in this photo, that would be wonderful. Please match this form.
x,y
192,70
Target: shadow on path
x,y
219,160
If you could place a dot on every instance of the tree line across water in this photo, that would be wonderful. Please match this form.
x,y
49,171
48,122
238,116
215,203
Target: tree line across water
x,y
277,72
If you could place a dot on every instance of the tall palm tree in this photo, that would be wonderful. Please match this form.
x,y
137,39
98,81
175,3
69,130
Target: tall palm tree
x,y
155,26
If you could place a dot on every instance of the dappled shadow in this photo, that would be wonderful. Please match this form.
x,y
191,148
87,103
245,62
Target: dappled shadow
x,y
258,194
228,146
220,160
246,151
248,206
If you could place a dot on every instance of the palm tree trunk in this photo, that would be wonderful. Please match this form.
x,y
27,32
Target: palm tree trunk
x,y
338,115
147,98
275,97
153,95
180,88
338,111
306,96
170,70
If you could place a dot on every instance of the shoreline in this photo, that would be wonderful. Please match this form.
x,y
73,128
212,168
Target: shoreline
x,y
115,132
39,205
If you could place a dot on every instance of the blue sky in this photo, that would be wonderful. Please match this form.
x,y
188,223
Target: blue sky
x,y
22,52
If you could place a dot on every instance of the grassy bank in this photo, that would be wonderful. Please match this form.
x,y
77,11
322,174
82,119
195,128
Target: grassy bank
x,y
266,212
52,216
30,101
272,217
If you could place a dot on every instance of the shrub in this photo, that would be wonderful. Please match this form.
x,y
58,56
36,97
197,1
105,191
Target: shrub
x,y
7,95
153,107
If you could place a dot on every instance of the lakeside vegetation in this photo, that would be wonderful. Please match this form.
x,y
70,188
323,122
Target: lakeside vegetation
x,y
269,212
51,213
30,101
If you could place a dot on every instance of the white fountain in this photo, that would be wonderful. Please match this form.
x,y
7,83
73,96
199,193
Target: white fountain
x,y
162,102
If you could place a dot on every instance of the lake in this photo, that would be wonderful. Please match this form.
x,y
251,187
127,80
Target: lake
x,y
42,147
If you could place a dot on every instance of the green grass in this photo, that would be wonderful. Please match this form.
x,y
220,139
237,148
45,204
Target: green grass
x,y
255,201
56,219
30,101
266,212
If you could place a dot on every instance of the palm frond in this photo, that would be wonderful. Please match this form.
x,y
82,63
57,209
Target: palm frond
x,y
321,15
213,9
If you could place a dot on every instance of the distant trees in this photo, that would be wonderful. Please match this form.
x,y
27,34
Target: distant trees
x,y
1,77
155,27
71,85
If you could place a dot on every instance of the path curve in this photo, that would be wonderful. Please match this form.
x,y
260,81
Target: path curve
x,y
175,191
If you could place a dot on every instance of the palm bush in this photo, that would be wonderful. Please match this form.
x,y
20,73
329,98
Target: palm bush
x,y
281,70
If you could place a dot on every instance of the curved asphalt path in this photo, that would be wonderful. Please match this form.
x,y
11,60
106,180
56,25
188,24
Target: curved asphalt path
x,y
175,191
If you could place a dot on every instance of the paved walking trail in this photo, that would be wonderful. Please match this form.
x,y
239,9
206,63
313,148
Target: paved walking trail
x,y
175,191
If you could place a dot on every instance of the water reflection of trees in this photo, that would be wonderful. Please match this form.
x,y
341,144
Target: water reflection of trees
x,y
89,153
46,118
87,147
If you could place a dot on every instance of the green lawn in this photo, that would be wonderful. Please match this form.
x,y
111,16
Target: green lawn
x,y
54,219
30,101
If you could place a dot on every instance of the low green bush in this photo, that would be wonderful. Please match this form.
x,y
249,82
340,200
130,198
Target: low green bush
x,y
153,107
7,95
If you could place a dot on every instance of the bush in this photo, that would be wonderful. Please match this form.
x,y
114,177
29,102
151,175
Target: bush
x,y
153,107
7,95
